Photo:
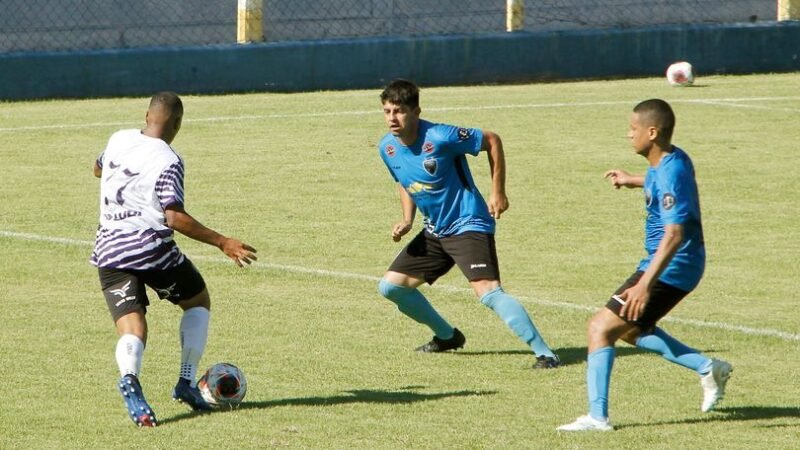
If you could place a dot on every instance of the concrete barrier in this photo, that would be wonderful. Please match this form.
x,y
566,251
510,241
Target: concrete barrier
x,y
430,61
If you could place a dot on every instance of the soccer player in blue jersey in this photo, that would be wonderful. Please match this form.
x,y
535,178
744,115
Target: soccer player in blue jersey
x,y
141,203
428,161
672,268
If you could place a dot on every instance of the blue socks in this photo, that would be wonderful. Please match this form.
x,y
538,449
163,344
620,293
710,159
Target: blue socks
x,y
672,350
515,316
598,379
601,361
412,303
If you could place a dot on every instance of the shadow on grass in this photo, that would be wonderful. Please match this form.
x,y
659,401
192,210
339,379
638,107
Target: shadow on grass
x,y
568,355
730,414
404,395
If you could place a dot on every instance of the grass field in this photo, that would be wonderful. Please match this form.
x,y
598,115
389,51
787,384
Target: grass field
x,y
329,362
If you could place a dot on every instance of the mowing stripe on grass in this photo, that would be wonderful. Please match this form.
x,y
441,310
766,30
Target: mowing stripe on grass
x,y
732,102
357,276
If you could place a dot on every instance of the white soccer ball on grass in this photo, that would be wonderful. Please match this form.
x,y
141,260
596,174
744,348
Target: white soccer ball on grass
x,y
680,74
223,385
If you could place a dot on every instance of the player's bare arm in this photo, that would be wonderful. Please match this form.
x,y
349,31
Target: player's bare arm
x,y
493,145
179,220
620,178
637,296
97,170
402,228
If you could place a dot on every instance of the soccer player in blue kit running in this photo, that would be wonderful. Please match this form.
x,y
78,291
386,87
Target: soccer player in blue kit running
x,y
673,267
428,161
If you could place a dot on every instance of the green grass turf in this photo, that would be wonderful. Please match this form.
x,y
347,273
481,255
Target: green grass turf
x,y
329,362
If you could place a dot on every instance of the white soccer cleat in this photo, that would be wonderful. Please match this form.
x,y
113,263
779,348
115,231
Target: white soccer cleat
x,y
714,384
587,423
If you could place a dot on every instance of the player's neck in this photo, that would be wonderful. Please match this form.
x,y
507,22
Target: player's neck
x,y
657,153
410,137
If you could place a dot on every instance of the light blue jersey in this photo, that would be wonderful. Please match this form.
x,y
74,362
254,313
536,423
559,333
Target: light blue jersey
x,y
435,173
671,197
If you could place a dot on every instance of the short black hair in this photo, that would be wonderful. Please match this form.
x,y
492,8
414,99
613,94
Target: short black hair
x,y
656,112
167,100
401,92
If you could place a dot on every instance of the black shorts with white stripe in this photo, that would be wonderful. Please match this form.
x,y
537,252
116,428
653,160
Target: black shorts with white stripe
x,y
428,257
124,289
663,298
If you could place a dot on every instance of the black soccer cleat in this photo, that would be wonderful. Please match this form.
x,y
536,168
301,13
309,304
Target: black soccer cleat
x,y
547,362
442,345
190,396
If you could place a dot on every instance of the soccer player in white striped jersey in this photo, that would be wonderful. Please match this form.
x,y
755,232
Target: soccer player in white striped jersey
x,y
141,204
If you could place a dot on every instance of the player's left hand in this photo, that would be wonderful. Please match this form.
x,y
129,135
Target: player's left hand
x,y
498,204
636,298
238,251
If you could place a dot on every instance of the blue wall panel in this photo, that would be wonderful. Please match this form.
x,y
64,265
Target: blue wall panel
x,y
370,63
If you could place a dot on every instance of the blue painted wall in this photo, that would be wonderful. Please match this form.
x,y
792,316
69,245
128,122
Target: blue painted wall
x,y
370,63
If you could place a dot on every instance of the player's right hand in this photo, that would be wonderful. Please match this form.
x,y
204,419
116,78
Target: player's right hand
x,y
400,229
239,252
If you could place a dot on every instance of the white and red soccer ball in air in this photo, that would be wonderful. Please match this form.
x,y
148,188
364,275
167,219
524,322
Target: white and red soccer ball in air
x,y
223,385
680,74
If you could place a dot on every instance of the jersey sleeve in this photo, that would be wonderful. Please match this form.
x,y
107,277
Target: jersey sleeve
x,y
169,185
676,188
462,140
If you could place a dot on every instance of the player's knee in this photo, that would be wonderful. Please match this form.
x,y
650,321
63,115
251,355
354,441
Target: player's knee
x,y
596,327
490,297
203,299
390,290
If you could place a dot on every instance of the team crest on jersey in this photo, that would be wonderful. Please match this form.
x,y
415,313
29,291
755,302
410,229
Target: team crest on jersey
x,y
427,147
430,165
464,134
668,201
390,150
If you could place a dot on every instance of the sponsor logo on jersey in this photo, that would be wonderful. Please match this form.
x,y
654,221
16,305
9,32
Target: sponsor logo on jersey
x,y
430,165
464,134
390,150
416,187
427,147
122,215
668,201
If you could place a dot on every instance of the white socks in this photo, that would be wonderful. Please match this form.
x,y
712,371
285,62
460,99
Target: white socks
x,y
129,354
194,334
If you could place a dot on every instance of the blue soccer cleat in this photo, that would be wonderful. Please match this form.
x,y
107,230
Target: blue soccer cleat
x,y
185,393
140,412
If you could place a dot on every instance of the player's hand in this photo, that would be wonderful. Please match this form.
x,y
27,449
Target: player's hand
x,y
636,298
619,178
238,251
400,229
498,204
